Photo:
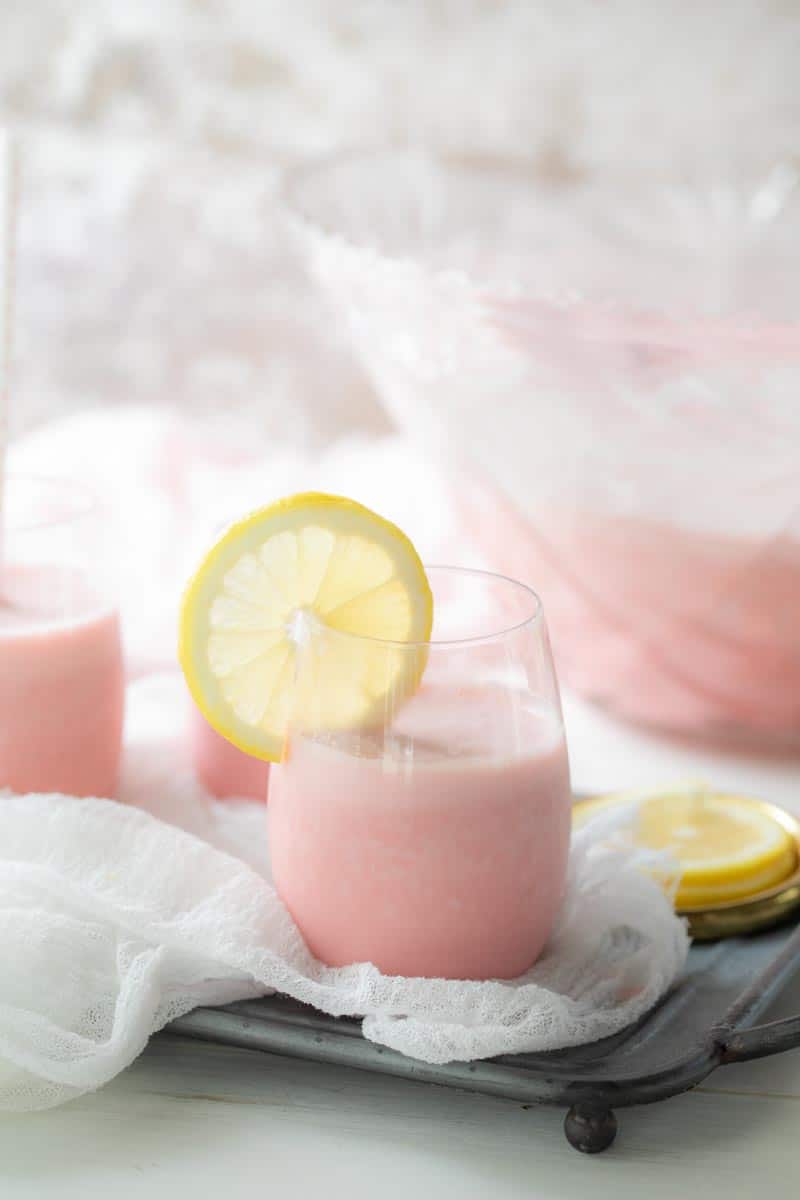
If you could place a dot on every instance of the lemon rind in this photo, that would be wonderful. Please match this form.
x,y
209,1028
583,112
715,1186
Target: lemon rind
x,y
241,536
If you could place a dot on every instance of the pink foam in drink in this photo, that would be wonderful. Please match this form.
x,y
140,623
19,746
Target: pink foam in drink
x,y
61,685
436,848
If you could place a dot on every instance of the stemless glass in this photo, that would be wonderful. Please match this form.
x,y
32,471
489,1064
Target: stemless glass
x,y
61,672
432,840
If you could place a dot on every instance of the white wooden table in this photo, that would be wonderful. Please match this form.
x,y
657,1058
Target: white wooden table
x,y
192,1119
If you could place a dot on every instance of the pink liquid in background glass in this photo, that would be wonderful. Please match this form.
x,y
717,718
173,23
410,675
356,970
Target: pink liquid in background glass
x,y
224,770
696,632
448,860
61,686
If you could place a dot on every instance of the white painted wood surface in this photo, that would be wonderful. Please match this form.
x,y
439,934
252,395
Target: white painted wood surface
x,y
199,1120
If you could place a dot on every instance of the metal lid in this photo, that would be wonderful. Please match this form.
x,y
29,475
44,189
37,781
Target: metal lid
x,y
760,909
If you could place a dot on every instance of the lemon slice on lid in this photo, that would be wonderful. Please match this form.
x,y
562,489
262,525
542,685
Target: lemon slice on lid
x,y
322,557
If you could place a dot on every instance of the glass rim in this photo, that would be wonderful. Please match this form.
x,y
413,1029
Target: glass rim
x,y
533,618
697,179
87,503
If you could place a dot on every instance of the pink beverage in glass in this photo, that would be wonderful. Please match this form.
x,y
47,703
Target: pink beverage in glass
x,y
223,769
61,671
435,844
669,627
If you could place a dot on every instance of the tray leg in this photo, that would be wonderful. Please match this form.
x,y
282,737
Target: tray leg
x,y
589,1129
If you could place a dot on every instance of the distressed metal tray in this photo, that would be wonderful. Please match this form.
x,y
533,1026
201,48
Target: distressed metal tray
x,y
707,1020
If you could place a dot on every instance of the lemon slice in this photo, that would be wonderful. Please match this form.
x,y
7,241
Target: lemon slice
x,y
728,847
306,559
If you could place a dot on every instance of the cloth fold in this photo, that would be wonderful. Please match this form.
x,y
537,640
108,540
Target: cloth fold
x,y
114,921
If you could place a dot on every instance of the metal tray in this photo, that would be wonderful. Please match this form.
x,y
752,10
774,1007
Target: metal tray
x,y
707,1020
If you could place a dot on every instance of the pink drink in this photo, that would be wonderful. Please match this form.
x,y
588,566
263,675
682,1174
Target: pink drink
x,y
223,769
61,685
440,849
691,631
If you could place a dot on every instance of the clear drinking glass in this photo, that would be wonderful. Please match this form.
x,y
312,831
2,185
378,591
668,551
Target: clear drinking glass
x,y
433,839
61,670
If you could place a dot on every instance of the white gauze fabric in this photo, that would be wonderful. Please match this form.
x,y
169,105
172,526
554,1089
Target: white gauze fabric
x,y
114,921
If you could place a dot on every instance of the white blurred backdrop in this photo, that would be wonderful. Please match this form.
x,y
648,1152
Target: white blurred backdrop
x,y
152,265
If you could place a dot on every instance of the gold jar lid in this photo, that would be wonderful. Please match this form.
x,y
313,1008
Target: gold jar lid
x,y
740,857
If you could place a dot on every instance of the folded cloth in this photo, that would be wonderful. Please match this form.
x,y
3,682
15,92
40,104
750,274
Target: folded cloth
x,y
114,921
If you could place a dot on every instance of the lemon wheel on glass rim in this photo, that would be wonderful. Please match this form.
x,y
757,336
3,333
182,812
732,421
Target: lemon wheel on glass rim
x,y
316,557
